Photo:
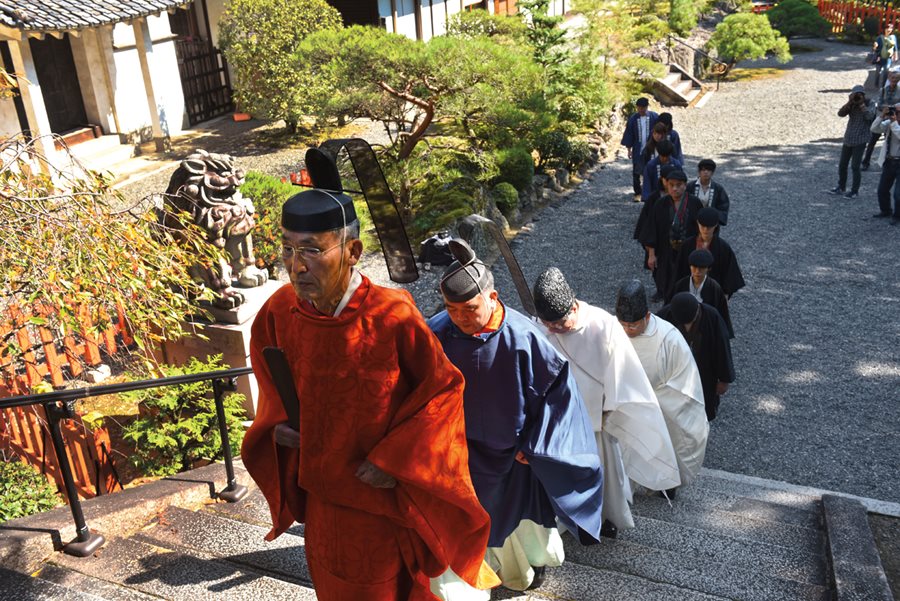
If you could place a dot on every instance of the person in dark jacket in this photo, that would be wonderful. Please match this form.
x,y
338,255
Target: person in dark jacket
x,y
725,269
706,334
636,134
711,193
704,288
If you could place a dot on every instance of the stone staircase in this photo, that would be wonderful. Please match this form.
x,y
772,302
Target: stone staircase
x,y
678,87
721,538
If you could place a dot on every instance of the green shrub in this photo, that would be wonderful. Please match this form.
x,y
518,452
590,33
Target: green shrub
x,y
870,26
267,194
442,208
24,491
554,148
516,167
798,17
683,16
506,197
580,154
574,109
179,426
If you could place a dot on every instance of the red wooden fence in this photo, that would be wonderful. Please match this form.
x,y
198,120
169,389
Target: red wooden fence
x,y
46,355
840,14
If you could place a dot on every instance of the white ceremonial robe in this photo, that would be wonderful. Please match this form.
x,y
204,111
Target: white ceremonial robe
x,y
631,431
670,366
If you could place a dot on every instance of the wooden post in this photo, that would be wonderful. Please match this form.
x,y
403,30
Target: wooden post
x,y
145,50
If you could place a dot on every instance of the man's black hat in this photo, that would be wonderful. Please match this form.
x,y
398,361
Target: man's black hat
x,y
466,276
323,208
677,174
666,170
631,302
553,297
684,308
642,102
708,216
665,147
700,258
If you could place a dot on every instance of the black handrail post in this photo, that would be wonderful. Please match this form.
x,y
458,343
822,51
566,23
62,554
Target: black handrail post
x,y
87,542
233,492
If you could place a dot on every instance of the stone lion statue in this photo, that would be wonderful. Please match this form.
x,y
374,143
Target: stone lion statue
x,y
206,187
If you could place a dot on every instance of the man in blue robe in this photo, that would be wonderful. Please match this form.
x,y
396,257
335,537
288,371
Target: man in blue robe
x,y
637,131
532,452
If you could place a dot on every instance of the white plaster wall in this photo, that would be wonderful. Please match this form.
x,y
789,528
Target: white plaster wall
x,y
9,122
88,56
216,8
128,82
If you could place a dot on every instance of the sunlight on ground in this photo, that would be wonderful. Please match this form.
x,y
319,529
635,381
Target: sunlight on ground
x,y
802,377
869,369
752,74
800,347
769,404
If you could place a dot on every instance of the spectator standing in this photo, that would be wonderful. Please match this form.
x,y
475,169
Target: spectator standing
x,y
889,159
889,96
637,132
711,193
859,111
885,47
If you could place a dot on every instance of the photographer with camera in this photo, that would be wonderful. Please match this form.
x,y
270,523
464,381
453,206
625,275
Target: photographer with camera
x,y
859,111
889,159
890,95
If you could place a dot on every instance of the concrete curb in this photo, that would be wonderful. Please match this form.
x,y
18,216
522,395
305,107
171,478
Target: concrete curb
x,y
26,542
855,562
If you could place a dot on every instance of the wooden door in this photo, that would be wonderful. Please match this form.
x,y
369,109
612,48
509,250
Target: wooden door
x,y
59,83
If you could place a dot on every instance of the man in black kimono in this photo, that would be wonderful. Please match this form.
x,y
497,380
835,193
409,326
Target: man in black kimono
x,y
711,193
724,269
706,334
672,220
704,288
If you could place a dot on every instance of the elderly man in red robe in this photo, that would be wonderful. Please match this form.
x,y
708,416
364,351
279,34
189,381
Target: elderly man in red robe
x,y
378,470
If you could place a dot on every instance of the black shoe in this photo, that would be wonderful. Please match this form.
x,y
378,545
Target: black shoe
x,y
836,190
851,195
880,215
608,530
539,575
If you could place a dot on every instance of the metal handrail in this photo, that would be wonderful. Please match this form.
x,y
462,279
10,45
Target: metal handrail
x,y
60,404
672,38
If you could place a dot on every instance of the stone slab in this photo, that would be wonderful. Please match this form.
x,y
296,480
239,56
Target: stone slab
x,y
236,542
730,524
78,582
254,299
752,490
704,499
252,509
720,577
26,542
756,556
858,573
19,587
179,577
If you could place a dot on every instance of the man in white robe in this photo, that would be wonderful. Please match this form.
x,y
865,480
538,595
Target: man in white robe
x,y
631,432
672,372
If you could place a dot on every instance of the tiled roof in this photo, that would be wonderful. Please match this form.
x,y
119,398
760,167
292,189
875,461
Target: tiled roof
x,y
54,15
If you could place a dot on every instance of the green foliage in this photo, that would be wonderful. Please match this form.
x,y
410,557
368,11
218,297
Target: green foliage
x,y
267,194
748,36
506,197
581,153
480,23
24,491
683,16
798,17
554,149
69,240
516,166
180,425
260,40
574,109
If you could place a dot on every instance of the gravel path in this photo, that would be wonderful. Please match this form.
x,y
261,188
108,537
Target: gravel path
x,y
817,352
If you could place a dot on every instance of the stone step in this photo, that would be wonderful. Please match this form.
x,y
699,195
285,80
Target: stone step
x,y
711,480
234,541
765,559
715,520
715,577
577,582
19,587
704,499
78,582
177,576
96,146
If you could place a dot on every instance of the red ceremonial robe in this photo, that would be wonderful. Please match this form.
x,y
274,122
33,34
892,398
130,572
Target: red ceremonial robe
x,y
374,384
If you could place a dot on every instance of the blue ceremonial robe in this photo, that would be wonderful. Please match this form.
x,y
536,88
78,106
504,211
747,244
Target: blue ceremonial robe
x,y
631,139
520,395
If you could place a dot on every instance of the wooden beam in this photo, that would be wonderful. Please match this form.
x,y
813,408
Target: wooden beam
x,y
33,101
145,52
